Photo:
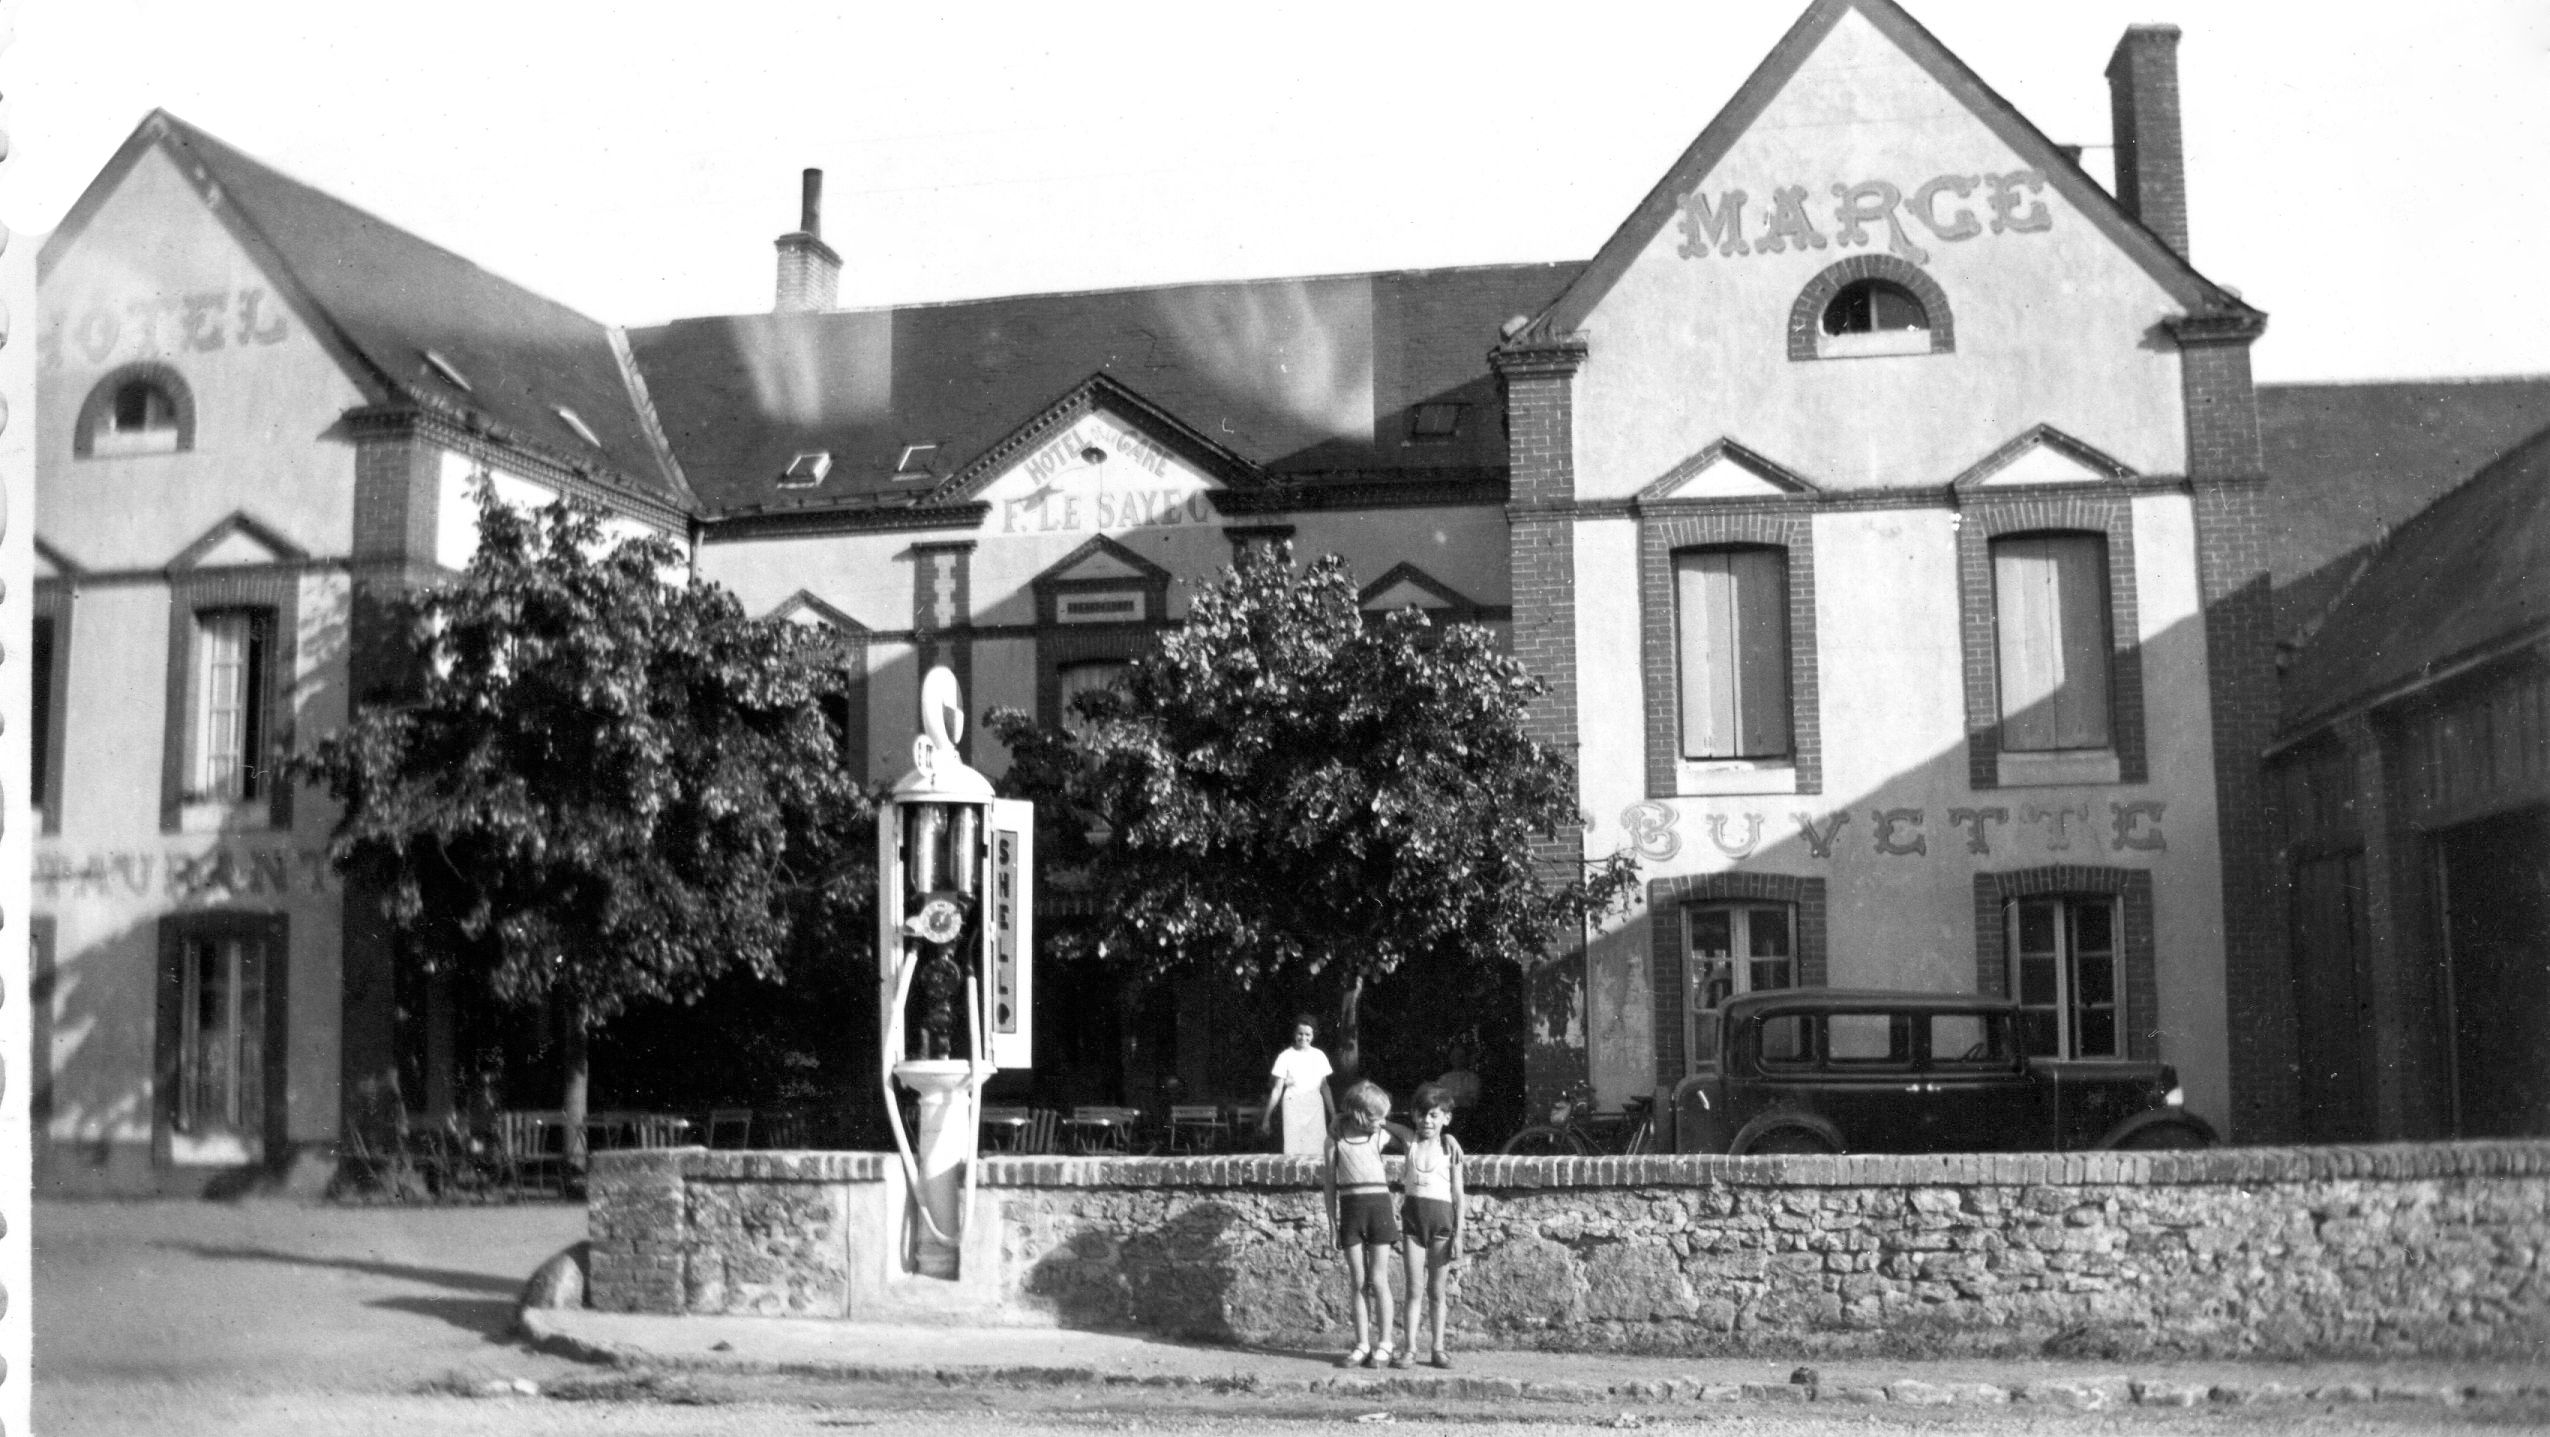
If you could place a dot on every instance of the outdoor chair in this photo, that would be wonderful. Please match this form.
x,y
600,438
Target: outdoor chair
x,y
730,1127
1043,1124
781,1130
662,1130
531,1151
1004,1130
1195,1127
1102,1129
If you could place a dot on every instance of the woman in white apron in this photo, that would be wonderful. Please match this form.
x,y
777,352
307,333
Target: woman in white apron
x,y
1300,1094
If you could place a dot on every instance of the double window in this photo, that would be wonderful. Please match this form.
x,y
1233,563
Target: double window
x,y
1731,632
2052,641
1733,948
230,666
2065,972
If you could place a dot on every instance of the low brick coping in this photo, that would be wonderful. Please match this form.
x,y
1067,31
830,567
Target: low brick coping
x,y
2216,1166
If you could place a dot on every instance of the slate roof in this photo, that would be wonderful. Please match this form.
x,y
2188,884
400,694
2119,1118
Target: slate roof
x,y
2353,460
391,296
1298,377
2470,573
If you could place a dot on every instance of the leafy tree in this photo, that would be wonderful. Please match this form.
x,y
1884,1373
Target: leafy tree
x,y
610,789
1286,788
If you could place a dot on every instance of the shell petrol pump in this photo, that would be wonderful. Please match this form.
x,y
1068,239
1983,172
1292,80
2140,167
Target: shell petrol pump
x,y
955,940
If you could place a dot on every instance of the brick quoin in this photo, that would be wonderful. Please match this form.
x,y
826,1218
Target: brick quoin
x,y
2224,464
1537,378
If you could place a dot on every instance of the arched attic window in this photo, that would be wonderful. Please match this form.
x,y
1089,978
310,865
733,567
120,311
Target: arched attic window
x,y
1868,306
136,409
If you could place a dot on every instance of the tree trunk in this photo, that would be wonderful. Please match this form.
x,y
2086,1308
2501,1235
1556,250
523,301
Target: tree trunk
x,y
577,1055
1350,1033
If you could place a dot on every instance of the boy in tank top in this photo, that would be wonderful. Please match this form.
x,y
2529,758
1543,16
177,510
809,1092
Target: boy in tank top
x,y
1431,1217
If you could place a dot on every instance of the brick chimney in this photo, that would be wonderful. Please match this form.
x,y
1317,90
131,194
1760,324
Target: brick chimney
x,y
2151,160
809,272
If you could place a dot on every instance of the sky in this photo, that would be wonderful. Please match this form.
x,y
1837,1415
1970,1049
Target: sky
x,y
2369,174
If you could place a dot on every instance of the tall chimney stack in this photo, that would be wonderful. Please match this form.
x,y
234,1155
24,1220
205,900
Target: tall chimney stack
x,y
2151,159
809,272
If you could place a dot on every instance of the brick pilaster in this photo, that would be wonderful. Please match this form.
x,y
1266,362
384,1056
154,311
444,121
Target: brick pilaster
x,y
943,621
2224,465
1538,379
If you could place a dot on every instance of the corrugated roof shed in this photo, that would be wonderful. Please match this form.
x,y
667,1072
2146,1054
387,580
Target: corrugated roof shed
x,y
2353,460
2469,574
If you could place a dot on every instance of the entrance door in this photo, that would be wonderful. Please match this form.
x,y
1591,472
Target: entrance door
x,y
220,1037
2496,905
2331,948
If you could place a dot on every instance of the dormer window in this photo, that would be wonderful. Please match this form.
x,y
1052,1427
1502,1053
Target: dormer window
x,y
137,409
805,471
576,422
1435,423
445,370
915,460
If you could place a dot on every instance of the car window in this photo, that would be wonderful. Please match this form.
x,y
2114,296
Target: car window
x,y
1868,1040
1973,1041
1788,1040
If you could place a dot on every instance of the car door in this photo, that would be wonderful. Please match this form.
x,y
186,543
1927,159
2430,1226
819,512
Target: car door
x,y
1975,1093
1868,1087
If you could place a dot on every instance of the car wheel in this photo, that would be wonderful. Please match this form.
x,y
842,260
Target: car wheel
x,y
1789,1141
2161,1137
1538,1141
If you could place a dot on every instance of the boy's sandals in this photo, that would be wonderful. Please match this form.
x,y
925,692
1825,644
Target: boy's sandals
x,y
1404,1357
1360,1357
1441,1359
1380,1355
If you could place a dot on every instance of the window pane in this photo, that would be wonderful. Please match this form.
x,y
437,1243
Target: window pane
x,y
222,696
2080,569
2093,926
1786,1040
2096,1032
2036,927
2037,1034
1968,1039
1865,1038
1077,679
2036,981
1713,931
1767,932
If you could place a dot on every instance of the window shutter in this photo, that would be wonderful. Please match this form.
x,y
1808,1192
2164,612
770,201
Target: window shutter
x,y
1762,637
1731,621
2050,615
2080,575
1705,620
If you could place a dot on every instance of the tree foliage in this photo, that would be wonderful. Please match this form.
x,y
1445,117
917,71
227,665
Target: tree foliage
x,y
611,789
1287,787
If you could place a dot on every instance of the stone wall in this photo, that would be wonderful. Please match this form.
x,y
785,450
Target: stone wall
x,y
2433,1249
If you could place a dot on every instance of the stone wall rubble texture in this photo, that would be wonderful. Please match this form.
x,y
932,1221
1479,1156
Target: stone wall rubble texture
x,y
2245,1252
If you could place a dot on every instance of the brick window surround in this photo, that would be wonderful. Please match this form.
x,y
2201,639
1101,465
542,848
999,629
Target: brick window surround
x,y
1985,518
95,409
1667,897
2131,886
1666,527
273,592
1060,645
1806,316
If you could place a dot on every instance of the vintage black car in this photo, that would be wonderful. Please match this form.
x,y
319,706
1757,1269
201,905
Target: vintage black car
x,y
1823,1070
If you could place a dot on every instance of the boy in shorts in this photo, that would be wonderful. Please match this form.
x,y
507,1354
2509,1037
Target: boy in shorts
x,y
1358,1190
1431,1217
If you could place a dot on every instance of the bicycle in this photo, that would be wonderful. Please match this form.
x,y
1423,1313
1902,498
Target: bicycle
x,y
1576,1130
